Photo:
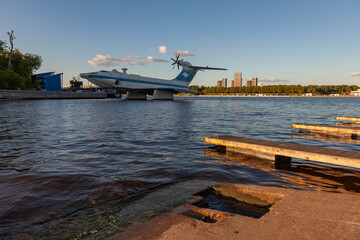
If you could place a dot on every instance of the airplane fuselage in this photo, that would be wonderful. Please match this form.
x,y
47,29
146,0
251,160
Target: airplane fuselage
x,y
137,87
118,80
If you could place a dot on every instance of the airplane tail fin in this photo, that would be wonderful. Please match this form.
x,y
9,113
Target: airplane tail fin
x,y
188,72
186,75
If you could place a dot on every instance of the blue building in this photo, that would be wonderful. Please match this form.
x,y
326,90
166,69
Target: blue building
x,y
49,81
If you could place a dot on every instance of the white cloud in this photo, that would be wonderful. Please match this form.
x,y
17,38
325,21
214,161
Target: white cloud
x,y
162,49
101,60
355,74
154,59
184,53
107,61
273,80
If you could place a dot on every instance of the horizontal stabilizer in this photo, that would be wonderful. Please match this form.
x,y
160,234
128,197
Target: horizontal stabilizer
x,y
206,68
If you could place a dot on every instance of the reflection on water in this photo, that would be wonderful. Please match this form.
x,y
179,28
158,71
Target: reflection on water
x,y
330,139
66,166
299,175
348,124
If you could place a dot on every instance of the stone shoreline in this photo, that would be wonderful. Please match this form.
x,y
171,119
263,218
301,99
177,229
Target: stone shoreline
x,y
19,95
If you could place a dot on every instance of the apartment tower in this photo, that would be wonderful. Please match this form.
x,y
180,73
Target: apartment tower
x,y
237,82
222,82
252,82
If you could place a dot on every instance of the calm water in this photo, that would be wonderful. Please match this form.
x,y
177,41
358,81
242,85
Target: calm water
x,y
66,160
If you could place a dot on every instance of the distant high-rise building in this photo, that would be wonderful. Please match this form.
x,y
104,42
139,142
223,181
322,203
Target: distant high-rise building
x,y
252,82
222,82
237,82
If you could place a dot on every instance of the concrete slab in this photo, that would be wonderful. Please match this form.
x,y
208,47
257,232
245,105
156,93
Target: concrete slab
x,y
295,214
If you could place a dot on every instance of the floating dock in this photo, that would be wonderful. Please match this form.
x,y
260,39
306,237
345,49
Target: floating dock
x,y
352,119
338,130
283,152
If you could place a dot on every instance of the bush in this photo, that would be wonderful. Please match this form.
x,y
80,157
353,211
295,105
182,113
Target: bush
x,y
11,80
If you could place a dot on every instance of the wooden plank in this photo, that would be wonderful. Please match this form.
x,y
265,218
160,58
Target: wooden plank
x,y
350,154
319,154
322,150
327,128
352,119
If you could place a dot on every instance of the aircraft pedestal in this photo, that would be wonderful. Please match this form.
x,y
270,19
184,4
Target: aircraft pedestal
x,y
135,96
162,95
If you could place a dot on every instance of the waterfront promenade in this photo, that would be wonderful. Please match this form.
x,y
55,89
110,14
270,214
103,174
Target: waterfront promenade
x,y
17,95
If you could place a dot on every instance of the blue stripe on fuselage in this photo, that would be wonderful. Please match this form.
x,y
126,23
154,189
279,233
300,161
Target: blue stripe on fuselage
x,y
137,81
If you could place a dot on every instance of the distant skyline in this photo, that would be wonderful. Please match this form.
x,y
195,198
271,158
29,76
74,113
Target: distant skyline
x,y
279,42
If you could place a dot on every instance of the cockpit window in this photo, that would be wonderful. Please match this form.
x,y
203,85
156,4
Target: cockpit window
x,y
103,71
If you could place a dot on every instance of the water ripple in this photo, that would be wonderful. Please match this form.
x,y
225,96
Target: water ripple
x,y
65,160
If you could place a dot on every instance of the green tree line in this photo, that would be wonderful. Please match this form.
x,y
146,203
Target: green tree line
x,y
277,89
22,66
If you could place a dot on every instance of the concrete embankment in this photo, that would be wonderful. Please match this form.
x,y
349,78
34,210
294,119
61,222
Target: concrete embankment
x,y
16,95
294,214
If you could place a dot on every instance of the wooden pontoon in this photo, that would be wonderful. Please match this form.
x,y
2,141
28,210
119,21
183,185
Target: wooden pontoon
x,y
283,152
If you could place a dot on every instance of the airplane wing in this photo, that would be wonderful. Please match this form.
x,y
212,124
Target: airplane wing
x,y
181,90
151,91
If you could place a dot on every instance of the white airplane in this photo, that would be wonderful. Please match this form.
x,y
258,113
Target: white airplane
x,y
138,87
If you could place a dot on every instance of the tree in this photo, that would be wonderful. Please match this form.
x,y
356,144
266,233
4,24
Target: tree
x,y
11,39
2,45
25,64
278,89
22,66
11,80
195,88
3,58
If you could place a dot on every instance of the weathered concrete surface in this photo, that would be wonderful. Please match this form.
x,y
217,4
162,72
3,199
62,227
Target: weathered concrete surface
x,y
296,214
159,201
17,95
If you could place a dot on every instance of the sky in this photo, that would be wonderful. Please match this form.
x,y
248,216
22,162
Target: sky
x,y
279,41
